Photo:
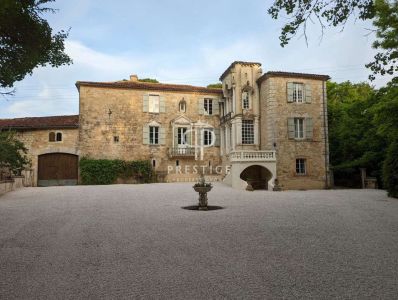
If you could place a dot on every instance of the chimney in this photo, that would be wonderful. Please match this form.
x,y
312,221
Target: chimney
x,y
134,78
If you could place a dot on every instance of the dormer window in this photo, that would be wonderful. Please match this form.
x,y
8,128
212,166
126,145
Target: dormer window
x,y
182,106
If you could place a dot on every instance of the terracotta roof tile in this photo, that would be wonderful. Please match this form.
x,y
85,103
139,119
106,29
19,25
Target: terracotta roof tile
x,y
291,74
150,86
41,122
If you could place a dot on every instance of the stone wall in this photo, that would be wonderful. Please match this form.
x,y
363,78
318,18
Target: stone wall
x,y
109,112
11,184
37,142
275,110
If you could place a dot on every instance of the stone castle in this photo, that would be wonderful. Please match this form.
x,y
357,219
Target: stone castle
x,y
257,128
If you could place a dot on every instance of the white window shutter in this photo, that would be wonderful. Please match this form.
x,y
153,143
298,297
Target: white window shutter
x,y
290,87
145,134
290,128
145,103
308,96
216,107
201,106
309,128
217,137
175,136
162,136
162,104
188,136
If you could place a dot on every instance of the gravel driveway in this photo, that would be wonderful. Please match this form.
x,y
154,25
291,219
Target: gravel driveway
x,y
135,241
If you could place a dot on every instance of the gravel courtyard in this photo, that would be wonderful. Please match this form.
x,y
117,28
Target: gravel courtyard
x,y
135,241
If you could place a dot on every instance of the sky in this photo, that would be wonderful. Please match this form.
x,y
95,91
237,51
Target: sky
x,y
180,41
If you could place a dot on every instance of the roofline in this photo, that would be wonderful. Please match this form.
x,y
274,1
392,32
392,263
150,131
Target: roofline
x,y
245,63
292,75
40,127
150,86
21,127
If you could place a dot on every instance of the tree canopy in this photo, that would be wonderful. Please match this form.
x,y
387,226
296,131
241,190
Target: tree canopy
x,y
12,153
215,85
384,14
27,40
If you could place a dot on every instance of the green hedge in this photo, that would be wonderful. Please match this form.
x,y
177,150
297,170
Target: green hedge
x,y
105,171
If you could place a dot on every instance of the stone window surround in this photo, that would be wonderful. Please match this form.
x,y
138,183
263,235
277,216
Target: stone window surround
x,y
306,166
155,133
55,137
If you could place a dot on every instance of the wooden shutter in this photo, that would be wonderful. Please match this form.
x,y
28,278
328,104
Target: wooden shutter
x,y
162,136
290,87
216,107
307,94
308,128
188,137
145,103
217,137
145,134
162,104
200,106
175,137
290,128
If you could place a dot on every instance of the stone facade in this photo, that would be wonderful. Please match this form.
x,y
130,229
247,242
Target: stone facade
x,y
256,129
275,111
37,142
113,123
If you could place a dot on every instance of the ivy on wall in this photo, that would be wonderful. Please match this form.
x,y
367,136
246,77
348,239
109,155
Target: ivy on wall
x,y
106,171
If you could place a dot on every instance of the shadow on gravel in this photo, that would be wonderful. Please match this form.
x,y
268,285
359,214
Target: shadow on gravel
x,y
196,207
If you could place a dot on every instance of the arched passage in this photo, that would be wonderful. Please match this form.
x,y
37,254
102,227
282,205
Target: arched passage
x,y
57,169
257,176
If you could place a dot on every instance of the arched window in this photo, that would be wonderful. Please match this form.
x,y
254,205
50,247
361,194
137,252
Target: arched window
x,y
59,137
182,106
51,137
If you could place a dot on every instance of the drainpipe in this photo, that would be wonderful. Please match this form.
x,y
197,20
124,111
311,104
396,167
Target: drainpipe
x,y
325,134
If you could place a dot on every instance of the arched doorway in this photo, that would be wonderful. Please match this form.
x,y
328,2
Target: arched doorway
x,y
57,169
257,176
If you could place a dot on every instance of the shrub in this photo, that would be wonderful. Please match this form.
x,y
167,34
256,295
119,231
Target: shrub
x,y
105,171
390,170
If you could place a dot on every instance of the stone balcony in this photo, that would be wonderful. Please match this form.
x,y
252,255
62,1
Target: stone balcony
x,y
253,156
182,152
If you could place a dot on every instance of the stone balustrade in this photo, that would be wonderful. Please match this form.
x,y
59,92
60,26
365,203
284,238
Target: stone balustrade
x,y
243,156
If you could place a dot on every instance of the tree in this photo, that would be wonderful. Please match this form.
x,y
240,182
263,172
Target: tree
x,y
27,41
336,13
390,170
12,153
215,86
150,80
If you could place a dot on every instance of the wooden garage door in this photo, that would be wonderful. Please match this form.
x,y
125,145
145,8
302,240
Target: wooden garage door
x,y
57,169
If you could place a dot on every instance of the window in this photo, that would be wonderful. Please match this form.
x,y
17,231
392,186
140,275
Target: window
x,y
247,132
154,163
298,92
298,128
182,106
177,163
208,106
153,135
207,137
300,166
55,137
245,100
153,105
51,137
116,139
181,135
